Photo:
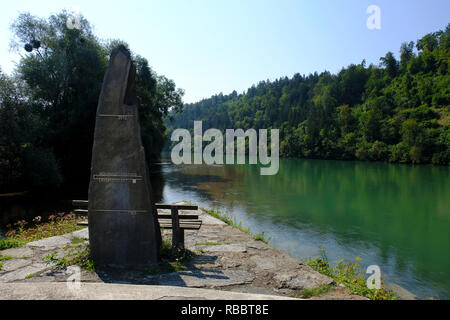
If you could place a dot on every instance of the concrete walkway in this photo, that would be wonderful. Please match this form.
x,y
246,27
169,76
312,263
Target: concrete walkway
x,y
227,259
103,291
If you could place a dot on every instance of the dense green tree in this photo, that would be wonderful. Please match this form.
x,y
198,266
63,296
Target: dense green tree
x,y
397,111
63,77
13,133
47,126
390,64
406,53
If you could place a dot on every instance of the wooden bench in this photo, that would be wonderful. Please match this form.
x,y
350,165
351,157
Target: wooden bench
x,y
175,221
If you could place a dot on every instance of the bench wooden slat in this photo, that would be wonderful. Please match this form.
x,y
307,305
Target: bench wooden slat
x,y
184,227
181,216
81,212
80,203
175,206
182,222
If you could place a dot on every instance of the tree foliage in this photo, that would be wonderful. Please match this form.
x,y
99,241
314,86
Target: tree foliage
x,y
48,107
397,111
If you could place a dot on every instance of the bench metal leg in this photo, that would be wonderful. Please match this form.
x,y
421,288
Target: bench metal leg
x,y
181,239
177,233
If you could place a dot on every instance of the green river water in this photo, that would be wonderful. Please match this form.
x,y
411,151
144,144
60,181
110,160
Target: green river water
x,y
393,216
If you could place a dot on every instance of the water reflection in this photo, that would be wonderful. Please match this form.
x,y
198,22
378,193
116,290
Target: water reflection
x,y
396,216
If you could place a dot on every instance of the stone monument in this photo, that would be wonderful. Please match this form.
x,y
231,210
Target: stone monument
x,y
123,225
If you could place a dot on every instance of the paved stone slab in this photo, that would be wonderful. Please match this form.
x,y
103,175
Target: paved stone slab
x,y
205,278
339,293
58,275
224,248
239,263
257,245
209,220
301,280
17,252
50,243
205,261
254,290
263,263
232,260
102,291
22,273
83,233
14,264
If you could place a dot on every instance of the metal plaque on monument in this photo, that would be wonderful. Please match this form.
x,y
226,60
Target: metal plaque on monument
x,y
123,225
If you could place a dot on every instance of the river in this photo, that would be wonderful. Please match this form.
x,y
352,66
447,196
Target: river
x,y
390,215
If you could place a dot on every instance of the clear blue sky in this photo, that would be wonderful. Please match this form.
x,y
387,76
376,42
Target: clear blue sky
x,y
216,46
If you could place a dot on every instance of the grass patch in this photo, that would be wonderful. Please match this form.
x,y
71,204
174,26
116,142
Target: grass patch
x,y
351,275
261,237
1,266
172,260
210,244
309,293
238,225
9,243
3,258
78,240
23,232
77,255
29,276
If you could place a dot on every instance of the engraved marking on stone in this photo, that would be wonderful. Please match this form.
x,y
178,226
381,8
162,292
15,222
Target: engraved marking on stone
x,y
125,174
132,212
117,177
118,116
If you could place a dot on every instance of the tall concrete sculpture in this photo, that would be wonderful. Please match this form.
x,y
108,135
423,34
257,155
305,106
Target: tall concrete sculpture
x,y
123,225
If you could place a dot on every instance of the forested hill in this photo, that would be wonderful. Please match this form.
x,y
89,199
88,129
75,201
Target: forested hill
x,y
398,111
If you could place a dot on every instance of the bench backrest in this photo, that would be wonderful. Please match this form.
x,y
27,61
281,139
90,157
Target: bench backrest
x,y
84,204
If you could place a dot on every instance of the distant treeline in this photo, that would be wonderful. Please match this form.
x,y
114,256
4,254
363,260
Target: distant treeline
x,y
398,111
48,105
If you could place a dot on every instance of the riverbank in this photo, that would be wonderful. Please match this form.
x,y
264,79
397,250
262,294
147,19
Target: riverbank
x,y
392,216
224,258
